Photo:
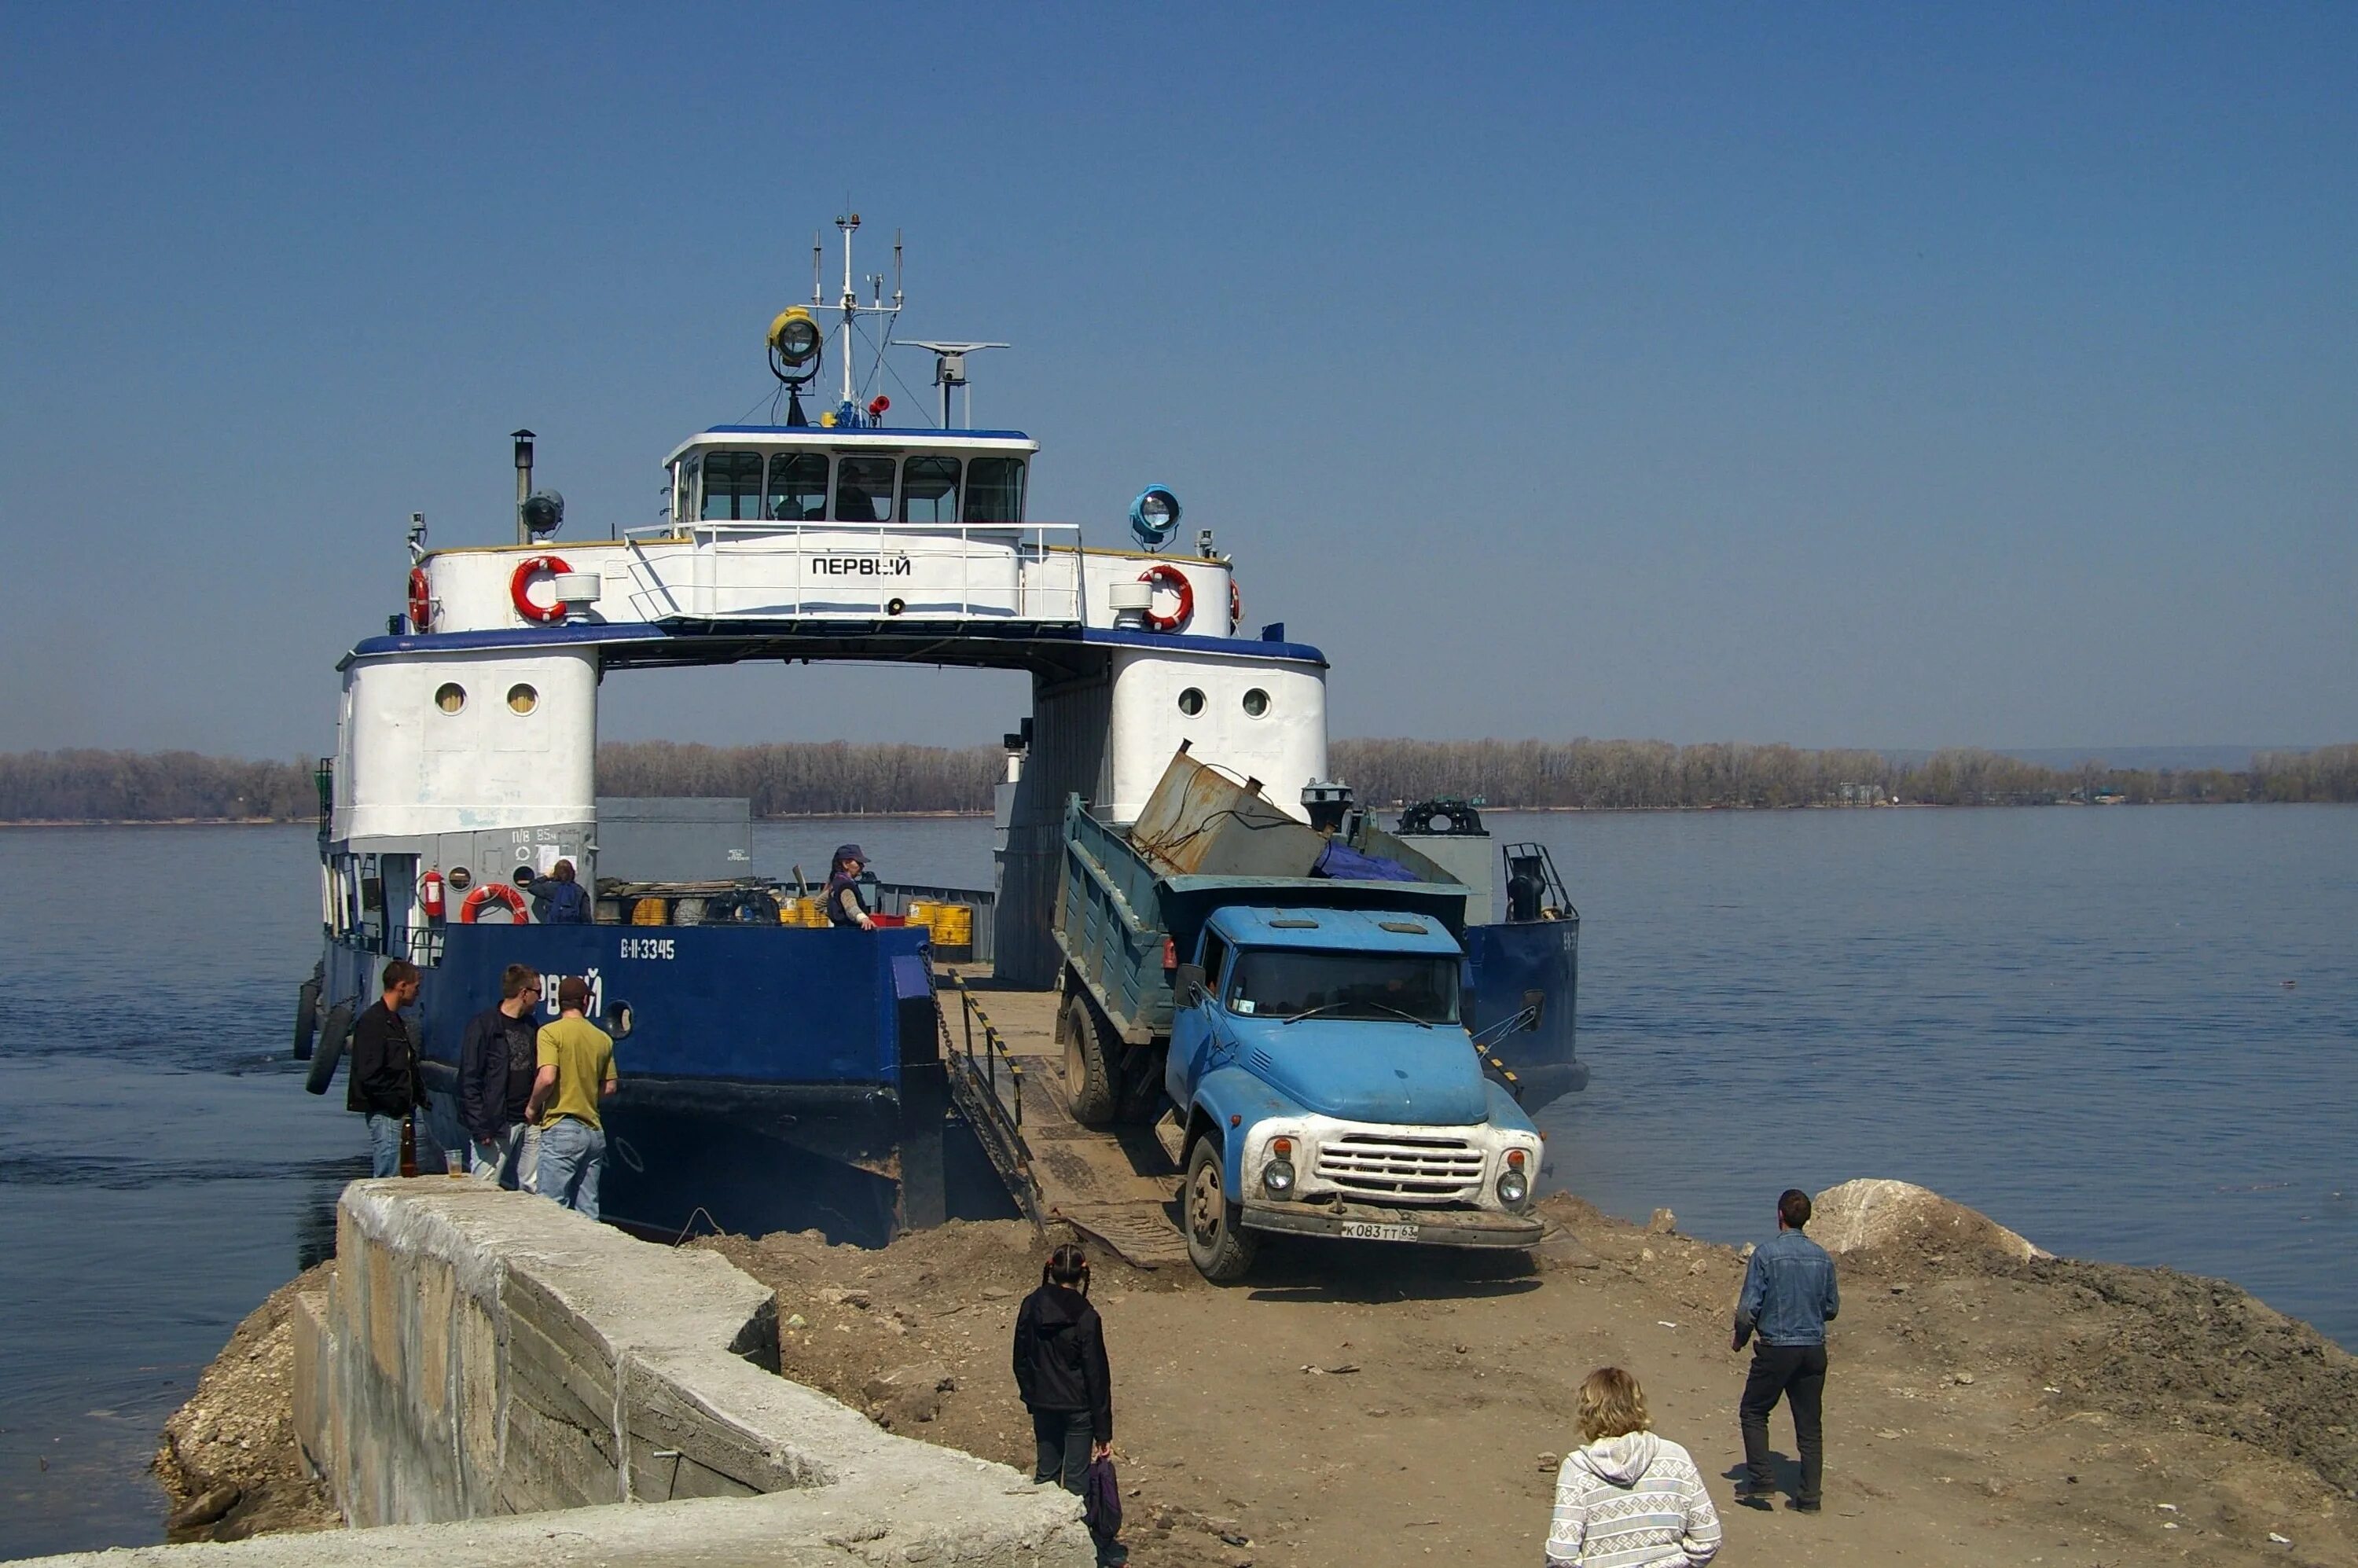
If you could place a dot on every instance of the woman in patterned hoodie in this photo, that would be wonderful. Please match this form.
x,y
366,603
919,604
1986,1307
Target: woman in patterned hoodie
x,y
1627,1498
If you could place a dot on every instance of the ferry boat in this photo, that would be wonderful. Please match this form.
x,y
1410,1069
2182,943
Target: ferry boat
x,y
779,1076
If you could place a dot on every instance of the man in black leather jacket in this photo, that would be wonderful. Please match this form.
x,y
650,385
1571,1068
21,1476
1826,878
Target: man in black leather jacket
x,y
497,1060
385,1084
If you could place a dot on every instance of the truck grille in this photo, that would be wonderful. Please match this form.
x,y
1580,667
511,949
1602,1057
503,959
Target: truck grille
x,y
1402,1169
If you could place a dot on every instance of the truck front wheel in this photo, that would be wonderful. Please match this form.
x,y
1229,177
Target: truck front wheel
x,y
1088,1076
1217,1242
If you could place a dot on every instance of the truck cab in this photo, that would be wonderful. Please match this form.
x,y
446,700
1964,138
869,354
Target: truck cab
x,y
1326,1085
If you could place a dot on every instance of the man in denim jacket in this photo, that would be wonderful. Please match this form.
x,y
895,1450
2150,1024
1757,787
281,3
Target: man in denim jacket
x,y
1789,1298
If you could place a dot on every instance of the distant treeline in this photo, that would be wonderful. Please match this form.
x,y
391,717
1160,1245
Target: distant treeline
x,y
1639,775
151,786
838,777
808,778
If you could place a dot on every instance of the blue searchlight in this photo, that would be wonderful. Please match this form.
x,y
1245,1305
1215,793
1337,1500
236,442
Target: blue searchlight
x,y
1155,516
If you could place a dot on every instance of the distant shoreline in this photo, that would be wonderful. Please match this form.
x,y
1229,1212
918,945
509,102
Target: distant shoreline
x,y
1389,807
815,781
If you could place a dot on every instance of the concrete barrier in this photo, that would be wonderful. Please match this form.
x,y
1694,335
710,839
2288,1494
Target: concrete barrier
x,y
484,1353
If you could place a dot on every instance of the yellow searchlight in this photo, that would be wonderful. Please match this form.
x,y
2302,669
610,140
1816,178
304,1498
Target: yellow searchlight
x,y
795,342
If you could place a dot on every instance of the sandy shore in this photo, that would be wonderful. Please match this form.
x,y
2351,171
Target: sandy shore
x,y
1356,1405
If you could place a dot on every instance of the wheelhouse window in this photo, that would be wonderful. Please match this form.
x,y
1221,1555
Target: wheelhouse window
x,y
732,487
929,489
798,486
994,489
863,489
1271,984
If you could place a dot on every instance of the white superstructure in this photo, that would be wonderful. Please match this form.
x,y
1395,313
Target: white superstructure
x,y
468,736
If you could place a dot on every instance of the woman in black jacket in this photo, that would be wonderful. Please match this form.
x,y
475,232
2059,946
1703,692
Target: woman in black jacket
x,y
1060,1370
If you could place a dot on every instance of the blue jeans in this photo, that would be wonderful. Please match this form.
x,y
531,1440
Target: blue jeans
x,y
512,1160
571,1153
384,1144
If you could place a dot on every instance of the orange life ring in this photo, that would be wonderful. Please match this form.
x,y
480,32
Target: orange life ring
x,y
1236,606
421,599
530,567
499,890
1174,580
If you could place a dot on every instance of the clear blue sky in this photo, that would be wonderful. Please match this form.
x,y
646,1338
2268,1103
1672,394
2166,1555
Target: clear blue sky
x,y
1894,375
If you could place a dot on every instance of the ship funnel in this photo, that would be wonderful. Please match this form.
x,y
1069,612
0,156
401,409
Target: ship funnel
x,y
524,483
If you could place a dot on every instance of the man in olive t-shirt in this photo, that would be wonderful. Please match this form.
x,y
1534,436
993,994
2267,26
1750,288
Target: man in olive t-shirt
x,y
577,1070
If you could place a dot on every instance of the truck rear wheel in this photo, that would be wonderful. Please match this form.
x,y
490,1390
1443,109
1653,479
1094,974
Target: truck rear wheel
x,y
1217,1242
1088,1075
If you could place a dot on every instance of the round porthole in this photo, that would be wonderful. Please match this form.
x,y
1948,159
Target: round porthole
x,y
1191,702
450,698
522,698
1255,703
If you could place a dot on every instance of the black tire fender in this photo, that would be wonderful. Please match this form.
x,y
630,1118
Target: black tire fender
x,y
333,1034
306,1018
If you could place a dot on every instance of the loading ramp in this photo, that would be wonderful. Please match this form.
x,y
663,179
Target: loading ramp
x,y
1115,1184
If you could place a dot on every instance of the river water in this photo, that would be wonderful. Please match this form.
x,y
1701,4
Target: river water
x,y
2129,1033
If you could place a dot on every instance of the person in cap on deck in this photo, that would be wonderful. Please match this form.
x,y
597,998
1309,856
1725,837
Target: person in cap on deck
x,y
844,907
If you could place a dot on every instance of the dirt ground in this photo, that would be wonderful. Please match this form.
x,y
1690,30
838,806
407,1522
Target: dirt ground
x,y
1369,1405
228,1460
1366,1404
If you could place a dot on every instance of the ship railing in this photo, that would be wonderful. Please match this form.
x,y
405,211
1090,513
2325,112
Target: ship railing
x,y
1025,572
424,945
986,1055
987,1083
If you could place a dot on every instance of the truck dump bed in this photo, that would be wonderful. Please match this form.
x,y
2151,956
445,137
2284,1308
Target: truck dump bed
x,y
1124,918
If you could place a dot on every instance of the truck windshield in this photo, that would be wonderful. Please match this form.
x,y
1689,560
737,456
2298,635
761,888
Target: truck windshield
x,y
1345,985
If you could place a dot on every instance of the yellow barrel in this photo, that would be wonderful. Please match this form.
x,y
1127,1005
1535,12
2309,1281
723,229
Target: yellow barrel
x,y
649,911
812,914
952,925
786,911
921,913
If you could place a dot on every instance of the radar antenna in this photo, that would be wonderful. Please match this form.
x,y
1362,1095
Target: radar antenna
x,y
949,371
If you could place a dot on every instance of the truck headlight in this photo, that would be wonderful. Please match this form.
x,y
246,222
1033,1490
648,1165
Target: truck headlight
x,y
1515,1181
1277,1176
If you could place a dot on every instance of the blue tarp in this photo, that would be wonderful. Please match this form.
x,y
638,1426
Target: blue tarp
x,y
1343,863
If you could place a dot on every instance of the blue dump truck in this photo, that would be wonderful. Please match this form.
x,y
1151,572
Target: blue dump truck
x,y
1287,1007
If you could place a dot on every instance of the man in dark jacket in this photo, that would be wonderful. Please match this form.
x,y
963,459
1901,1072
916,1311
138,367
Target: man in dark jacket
x,y
497,1062
1789,1298
385,1084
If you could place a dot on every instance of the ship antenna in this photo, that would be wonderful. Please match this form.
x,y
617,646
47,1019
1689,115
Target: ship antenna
x,y
818,260
896,269
849,226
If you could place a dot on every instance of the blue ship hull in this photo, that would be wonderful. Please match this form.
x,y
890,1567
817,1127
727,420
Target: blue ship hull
x,y
1506,968
769,1073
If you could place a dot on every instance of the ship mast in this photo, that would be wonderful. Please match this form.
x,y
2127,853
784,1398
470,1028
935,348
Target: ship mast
x,y
848,302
